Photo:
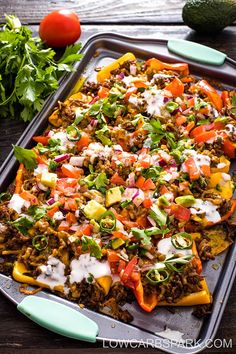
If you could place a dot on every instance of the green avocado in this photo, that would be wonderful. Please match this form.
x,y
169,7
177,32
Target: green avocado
x,y
209,16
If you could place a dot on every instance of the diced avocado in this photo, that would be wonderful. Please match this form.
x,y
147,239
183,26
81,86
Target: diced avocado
x,y
116,243
94,210
185,200
48,179
96,226
113,195
162,201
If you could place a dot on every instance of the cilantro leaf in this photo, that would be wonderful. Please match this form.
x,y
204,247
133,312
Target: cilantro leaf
x,y
157,133
101,182
36,212
89,244
158,215
23,224
29,72
102,135
141,235
25,156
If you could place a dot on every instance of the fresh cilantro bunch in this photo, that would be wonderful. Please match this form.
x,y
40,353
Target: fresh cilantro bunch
x,y
28,70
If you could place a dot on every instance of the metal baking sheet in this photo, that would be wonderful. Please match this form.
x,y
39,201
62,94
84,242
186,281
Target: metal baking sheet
x,y
100,50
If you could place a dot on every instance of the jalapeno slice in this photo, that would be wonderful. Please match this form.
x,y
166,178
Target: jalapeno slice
x,y
156,276
73,133
177,264
108,222
182,241
40,242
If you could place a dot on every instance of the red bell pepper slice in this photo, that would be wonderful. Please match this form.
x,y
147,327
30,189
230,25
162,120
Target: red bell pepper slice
x,y
41,139
204,137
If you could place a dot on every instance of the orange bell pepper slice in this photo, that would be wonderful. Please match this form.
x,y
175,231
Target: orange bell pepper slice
x,y
19,178
176,87
229,148
146,302
210,91
159,65
41,139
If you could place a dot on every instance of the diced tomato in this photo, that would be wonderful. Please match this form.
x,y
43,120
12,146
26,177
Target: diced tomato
x,y
191,102
66,185
71,171
112,256
70,204
140,182
147,203
83,141
176,87
181,213
190,126
41,139
144,160
86,229
52,211
192,168
116,179
70,218
103,92
180,120
129,92
204,137
118,234
163,190
148,185
64,226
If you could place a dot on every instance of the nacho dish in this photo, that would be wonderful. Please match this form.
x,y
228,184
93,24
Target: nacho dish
x,y
126,192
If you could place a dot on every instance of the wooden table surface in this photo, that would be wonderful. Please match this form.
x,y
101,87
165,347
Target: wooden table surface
x,y
149,18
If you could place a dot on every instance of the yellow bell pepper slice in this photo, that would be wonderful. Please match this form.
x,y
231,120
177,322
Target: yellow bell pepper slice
x,y
105,282
219,181
198,298
20,274
224,166
105,73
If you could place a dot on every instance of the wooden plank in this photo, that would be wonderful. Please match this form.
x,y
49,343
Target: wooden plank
x,y
93,11
19,333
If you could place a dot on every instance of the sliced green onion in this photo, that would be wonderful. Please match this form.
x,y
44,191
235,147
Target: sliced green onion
x,y
177,264
108,222
182,241
73,133
40,242
156,276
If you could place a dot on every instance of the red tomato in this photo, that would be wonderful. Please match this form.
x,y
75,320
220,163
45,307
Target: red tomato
x,y
60,28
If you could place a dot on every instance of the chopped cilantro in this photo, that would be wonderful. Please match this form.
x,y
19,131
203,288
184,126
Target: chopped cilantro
x,y
25,156
89,244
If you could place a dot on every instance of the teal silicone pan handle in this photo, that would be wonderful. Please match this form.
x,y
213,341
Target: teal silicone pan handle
x,y
59,318
196,52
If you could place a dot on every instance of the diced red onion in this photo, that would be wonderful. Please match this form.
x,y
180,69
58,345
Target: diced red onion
x,y
166,99
133,69
95,99
149,255
131,179
77,161
121,75
152,222
136,194
176,111
50,201
46,133
61,158
138,198
129,193
172,163
162,162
